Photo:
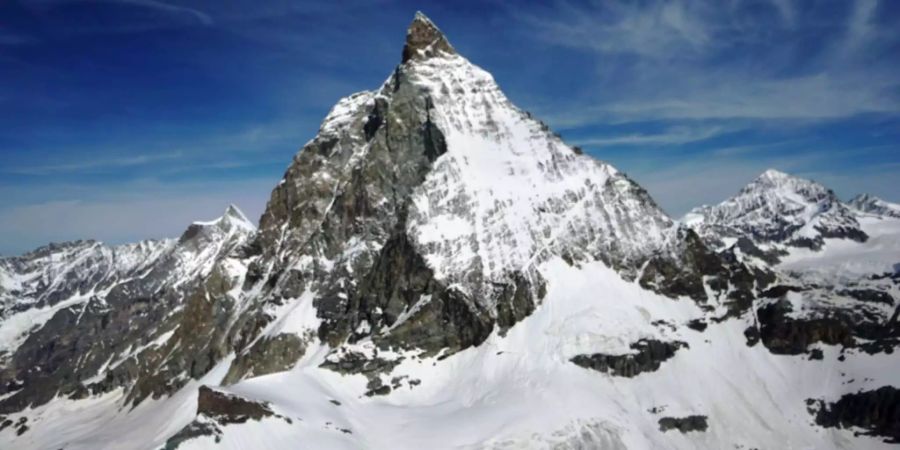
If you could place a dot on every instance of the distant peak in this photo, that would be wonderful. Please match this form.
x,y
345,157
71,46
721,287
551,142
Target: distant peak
x,y
232,217
776,181
774,174
234,212
424,39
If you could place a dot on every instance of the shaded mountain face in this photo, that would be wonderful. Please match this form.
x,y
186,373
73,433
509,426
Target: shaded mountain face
x,y
777,208
436,268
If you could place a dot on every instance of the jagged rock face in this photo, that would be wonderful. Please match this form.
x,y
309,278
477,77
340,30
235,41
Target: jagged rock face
x,y
44,277
217,409
876,411
119,322
647,357
869,204
848,319
424,40
778,208
433,200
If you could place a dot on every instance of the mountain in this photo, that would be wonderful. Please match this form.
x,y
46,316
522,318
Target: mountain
x,y
870,204
777,208
77,316
438,269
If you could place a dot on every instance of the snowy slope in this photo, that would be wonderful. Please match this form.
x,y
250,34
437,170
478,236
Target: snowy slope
x,y
437,269
509,193
841,258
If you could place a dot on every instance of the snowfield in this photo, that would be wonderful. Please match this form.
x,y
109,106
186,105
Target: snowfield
x,y
520,391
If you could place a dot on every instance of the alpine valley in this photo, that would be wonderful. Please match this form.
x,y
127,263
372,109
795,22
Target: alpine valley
x,y
438,269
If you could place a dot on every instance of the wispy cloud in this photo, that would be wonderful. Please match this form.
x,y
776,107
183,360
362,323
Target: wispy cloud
x,y
658,30
55,13
92,165
200,16
676,135
687,60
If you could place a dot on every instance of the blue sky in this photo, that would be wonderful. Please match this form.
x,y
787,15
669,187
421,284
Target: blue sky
x,y
128,119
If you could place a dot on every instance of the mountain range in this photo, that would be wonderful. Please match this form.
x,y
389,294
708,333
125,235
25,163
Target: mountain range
x,y
438,269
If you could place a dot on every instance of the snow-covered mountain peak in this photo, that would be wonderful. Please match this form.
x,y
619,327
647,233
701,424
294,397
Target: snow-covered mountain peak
x,y
781,184
870,204
481,186
774,175
232,221
424,39
777,207
236,217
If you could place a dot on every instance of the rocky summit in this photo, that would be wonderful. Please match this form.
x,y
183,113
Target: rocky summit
x,y
439,269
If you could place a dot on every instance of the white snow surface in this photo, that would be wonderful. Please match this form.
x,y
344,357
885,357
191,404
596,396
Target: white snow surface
x,y
509,193
842,259
519,391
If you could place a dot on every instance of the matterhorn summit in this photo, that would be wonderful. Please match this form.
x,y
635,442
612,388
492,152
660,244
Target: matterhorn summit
x,y
438,269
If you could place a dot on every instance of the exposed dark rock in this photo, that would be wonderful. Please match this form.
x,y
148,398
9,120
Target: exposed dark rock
x,y
782,334
375,119
748,247
227,408
877,412
685,275
752,335
424,39
780,291
216,409
648,356
357,363
854,234
869,295
697,324
267,356
377,387
194,430
683,424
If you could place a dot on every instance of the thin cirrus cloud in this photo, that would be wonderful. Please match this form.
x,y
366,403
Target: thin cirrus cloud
x,y
92,165
714,60
162,15
677,135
